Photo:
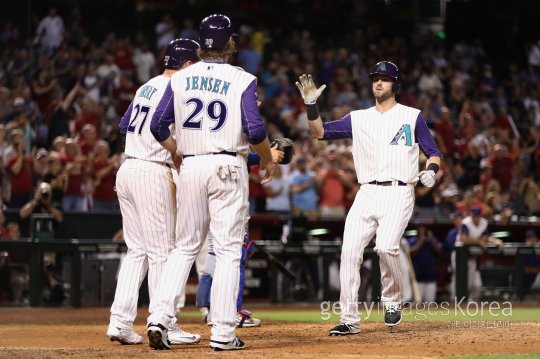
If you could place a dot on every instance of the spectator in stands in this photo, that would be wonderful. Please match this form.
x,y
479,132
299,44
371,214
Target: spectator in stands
x,y
91,83
42,203
90,115
123,56
58,117
42,88
303,189
57,178
165,32
144,62
445,133
257,194
104,171
109,73
50,32
40,165
249,59
88,140
331,184
277,194
189,31
502,165
13,231
76,168
19,167
425,250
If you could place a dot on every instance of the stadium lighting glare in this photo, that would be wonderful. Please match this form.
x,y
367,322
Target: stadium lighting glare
x,y
318,232
501,234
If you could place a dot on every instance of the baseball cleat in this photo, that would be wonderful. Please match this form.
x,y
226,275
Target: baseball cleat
x,y
179,337
235,344
344,329
392,316
245,320
157,337
123,336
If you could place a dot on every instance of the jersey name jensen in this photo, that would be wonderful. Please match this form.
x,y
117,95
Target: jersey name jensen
x,y
207,84
147,91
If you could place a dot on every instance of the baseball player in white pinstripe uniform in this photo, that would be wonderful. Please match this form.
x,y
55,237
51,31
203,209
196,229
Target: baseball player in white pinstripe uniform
x,y
386,139
146,194
214,108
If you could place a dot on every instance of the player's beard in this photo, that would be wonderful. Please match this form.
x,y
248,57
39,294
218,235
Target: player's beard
x,y
383,96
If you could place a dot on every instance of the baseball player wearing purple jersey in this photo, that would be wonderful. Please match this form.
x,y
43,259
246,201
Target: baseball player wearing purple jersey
x,y
385,143
146,194
214,108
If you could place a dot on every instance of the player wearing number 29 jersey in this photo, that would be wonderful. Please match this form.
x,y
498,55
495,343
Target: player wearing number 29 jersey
x,y
214,108
147,199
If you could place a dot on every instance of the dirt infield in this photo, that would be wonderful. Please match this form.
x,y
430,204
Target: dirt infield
x,y
80,333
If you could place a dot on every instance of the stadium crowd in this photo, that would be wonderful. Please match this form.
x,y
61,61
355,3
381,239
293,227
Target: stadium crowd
x,y
62,93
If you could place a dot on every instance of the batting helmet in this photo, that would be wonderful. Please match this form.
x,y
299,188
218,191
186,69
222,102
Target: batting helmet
x,y
179,51
287,146
215,32
389,69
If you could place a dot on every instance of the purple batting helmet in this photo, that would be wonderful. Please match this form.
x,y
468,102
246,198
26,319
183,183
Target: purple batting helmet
x,y
389,69
215,32
179,51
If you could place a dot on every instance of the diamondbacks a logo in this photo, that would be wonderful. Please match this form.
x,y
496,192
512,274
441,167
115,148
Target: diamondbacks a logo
x,y
208,42
403,136
382,66
166,60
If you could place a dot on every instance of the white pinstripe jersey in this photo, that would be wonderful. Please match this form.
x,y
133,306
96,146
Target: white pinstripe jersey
x,y
140,143
207,108
475,231
384,146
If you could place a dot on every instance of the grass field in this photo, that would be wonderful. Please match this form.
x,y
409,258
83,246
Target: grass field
x,y
376,315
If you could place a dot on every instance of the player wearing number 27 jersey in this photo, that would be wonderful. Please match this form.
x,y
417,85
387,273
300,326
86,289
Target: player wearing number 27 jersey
x,y
147,199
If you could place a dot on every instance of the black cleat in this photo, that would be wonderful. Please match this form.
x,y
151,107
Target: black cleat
x,y
344,329
392,316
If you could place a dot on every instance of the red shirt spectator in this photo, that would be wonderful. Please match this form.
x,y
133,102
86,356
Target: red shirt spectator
x,y
257,194
444,130
331,193
75,166
122,55
89,116
89,139
21,179
502,166
124,94
104,186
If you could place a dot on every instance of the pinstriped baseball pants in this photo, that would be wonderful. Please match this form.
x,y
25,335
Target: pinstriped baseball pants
x,y
383,211
147,197
207,202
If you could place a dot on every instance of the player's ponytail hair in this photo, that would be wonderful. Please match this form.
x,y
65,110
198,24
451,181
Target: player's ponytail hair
x,y
222,54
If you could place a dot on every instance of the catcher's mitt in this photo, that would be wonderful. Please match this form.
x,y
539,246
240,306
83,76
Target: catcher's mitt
x,y
286,145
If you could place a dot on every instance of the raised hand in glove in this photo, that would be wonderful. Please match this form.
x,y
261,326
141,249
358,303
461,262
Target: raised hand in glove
x,y
427,178
309,91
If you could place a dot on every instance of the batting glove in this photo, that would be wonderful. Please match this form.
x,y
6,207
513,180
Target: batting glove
x,y
427,178
309,91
